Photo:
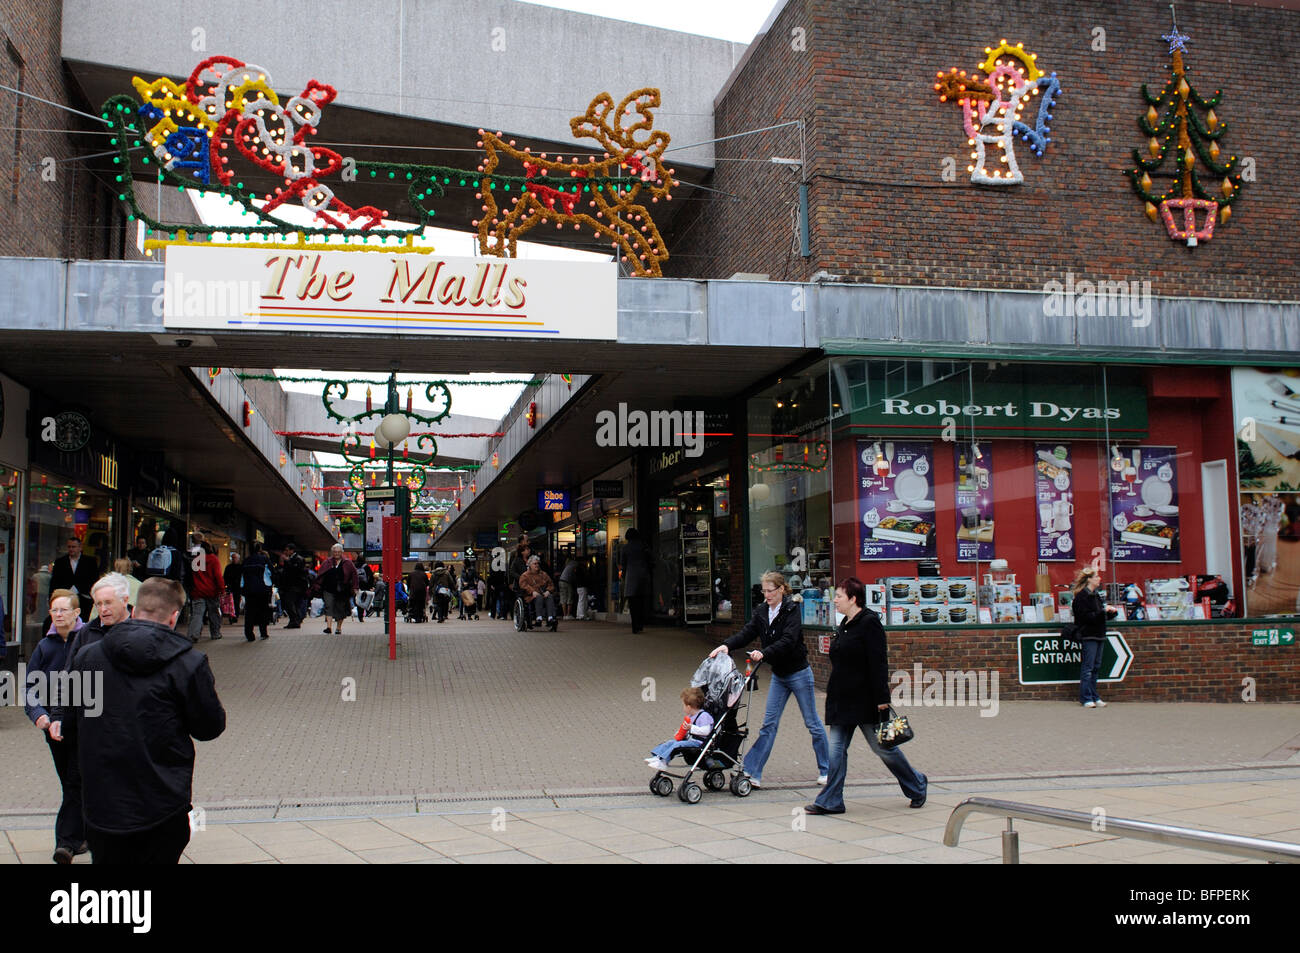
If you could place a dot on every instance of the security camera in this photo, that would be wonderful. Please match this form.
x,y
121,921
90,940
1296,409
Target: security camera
x,y
184,342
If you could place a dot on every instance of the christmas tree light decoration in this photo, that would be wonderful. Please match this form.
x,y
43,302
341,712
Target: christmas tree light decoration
x,y
991,109
1176,131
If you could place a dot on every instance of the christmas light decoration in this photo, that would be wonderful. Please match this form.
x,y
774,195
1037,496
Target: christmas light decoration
x,y
991,109
1174,129
531,416
227,110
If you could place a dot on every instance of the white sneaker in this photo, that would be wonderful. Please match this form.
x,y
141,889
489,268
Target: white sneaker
x,y
1089,704
658,764
1100,703
821,780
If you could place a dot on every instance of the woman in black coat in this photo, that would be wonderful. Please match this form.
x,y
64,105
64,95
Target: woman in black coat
x,y
857,696
417,588
1090,615
779,630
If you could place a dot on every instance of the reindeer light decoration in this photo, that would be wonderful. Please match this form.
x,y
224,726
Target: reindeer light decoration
x,y
991,109
619,217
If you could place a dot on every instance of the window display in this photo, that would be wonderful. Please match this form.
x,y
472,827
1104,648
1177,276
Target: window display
x,y
1111,468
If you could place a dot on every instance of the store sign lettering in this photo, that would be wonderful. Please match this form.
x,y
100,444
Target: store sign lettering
x,y
1038,410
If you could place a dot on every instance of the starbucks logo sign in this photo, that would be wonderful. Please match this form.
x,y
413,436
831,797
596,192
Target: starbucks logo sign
x,y
69,431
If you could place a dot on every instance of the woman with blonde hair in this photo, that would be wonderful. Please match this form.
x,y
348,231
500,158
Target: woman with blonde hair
x,y
1090,615
51,656
779,629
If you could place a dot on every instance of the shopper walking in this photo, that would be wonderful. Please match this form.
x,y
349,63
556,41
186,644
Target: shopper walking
x,y
294,583
338,583
417,593
49,658
137,756
76,572
257,593
207,587
857,696
779,629
109,596
1090,614
635,564
234,578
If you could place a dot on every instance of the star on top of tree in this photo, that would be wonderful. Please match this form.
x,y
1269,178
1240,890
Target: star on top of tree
x,y
1177,40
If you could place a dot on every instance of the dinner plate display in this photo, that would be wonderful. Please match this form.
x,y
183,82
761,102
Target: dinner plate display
x,y
1156,492
911,487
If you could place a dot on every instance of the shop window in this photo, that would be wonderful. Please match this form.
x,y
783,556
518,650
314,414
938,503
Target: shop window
x,y
973,492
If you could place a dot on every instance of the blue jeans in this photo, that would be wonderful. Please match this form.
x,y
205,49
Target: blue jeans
x,y
912,782
800,685
665,750
1088,669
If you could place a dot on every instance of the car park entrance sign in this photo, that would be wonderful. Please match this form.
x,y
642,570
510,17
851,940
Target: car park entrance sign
x,y
317,290
1048,658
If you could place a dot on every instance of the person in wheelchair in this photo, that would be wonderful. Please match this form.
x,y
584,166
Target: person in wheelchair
x,y
538,592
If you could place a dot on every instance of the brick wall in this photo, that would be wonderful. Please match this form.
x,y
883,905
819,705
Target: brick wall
x,y
878,138
63,208
1182,663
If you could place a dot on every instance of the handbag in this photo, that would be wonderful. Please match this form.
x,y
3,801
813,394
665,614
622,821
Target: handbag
x,y
894,730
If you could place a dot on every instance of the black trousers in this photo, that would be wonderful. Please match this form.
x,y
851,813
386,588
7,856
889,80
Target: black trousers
x,y
69,826
163,844
637,606
257,611
291,599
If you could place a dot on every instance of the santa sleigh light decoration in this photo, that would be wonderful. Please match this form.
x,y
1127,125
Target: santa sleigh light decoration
x,y
227,110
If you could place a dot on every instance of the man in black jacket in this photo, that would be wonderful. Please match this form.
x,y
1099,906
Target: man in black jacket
x,y
293,585
76,572
137,759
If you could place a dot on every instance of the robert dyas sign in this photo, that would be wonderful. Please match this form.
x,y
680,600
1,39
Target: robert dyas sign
x,y
241,289
1011,410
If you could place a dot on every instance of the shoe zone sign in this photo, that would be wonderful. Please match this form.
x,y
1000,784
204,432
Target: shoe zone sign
x,y
375,292
1048,658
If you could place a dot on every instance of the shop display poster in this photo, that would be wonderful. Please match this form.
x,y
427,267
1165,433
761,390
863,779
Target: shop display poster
x,y
895,500
974,496
1054,502
1144,520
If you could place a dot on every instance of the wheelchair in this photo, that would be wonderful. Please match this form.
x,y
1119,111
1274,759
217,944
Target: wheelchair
x,y
525,617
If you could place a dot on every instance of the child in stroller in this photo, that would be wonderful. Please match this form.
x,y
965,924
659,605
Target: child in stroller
x,y
694,731
727,695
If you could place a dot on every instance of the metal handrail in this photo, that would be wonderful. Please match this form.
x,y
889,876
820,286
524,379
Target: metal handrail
x,y
1253,847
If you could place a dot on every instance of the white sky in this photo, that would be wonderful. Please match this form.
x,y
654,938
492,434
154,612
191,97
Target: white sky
x,y
735,20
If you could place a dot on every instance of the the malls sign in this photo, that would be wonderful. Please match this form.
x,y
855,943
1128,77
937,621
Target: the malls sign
x,y
313,291
1010,410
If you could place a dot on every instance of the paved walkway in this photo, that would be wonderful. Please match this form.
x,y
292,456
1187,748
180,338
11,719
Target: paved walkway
x,y
483,744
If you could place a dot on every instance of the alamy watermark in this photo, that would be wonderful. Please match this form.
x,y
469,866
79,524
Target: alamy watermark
x,y
1085,298
655,428
948,689
83,690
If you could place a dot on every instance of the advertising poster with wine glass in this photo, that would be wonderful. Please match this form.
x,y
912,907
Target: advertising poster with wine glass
x,y
896,500
1144,520
974,492
1054,502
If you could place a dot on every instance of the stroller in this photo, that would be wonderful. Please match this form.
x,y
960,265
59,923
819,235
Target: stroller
x,y
727,698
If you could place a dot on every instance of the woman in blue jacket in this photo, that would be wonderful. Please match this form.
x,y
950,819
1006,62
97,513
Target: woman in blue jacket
x,y
48,659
